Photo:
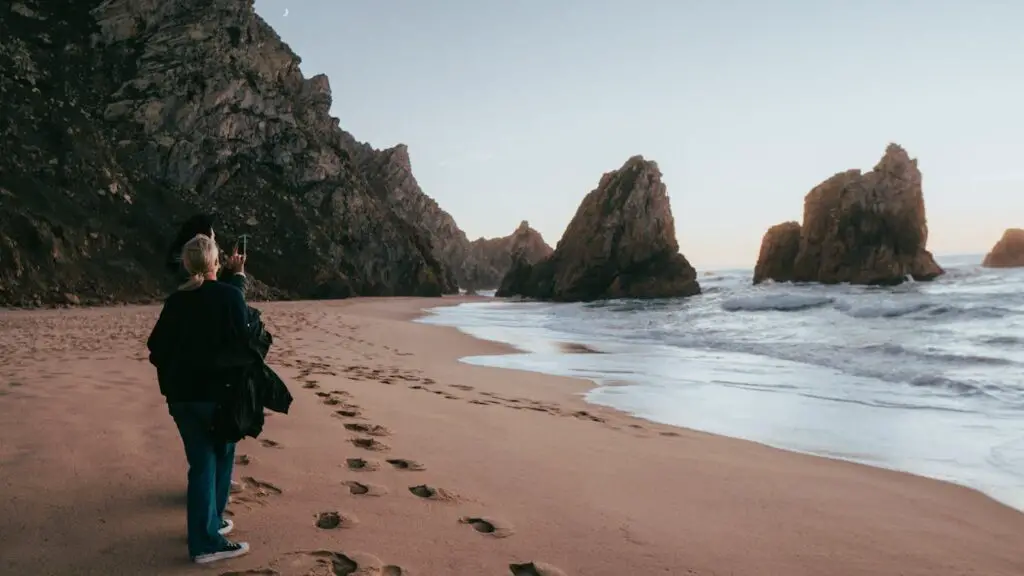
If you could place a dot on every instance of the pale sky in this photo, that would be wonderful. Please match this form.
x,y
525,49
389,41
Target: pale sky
x,y
512,109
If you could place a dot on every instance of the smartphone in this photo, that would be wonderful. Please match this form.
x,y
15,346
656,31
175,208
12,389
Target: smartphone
x,y
244,245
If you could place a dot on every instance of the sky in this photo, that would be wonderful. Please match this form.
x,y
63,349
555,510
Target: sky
x,y
513,109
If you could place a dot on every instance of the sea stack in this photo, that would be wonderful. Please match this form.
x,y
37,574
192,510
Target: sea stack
x,y
1008,252
620,244
859,228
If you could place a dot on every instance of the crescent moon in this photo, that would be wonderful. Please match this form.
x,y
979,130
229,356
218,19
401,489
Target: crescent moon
x,y
285,12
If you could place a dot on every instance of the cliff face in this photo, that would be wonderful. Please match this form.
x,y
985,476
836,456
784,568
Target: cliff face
x,y
392,182
859,228
120,118
1008,252
490,259
620,244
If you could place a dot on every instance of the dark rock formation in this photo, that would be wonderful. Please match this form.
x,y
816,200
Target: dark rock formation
x,y
489,259
779,249
620,244
390,175
120,118
1008,252
858,228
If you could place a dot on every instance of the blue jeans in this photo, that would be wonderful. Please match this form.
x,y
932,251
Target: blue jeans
x,y
209,475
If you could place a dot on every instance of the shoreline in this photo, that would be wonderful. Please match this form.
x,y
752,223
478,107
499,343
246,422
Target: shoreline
x,y
436,467
590,385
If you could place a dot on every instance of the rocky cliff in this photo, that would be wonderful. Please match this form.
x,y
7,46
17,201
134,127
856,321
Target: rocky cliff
x,y
1008,252
861,228
620,244
489,259
120,118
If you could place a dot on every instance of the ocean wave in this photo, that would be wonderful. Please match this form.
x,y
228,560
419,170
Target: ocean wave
x,y
924,310
1003,341
957,387
887,404
884,310
776,302
936,356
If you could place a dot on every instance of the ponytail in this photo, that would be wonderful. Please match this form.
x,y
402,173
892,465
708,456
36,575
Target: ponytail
x,y
193,282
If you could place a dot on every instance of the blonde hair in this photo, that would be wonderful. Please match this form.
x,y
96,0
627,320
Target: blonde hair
x,y
201,257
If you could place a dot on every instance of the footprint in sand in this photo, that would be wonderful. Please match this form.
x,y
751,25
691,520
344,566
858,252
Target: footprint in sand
x,y
311,384
259,487
332,520
534,569
370,444
488,526
364,489
351,412
584,415
253,492
435,494
403,464
268,443
324,563
371,429
362,464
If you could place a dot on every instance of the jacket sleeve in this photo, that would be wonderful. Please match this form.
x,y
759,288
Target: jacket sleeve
x,y
161,339
239,315
238,280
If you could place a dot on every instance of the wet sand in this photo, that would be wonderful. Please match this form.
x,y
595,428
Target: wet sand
x,y
397,459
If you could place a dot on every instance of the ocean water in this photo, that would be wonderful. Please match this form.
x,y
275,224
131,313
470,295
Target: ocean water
x,y
926,378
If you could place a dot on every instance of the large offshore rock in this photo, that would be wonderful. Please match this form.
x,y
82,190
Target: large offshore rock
x,y
1008,251
860,228
620,244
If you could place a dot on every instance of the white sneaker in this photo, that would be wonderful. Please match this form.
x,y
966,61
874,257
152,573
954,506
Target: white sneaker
x,y
226,526
230,550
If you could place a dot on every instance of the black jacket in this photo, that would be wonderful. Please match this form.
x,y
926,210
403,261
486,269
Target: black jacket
x,y
196,331
252,387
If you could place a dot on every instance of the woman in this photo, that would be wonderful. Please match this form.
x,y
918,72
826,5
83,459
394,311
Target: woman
x,y
202,322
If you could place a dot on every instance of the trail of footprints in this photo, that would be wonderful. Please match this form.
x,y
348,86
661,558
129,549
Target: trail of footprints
x,y
367,437
416,381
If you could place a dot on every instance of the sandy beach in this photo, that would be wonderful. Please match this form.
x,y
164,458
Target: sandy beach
x,y
401,460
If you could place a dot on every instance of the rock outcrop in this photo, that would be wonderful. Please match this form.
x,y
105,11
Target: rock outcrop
x,y
858,228
1008,252
779,249
620,244
489,259
120,118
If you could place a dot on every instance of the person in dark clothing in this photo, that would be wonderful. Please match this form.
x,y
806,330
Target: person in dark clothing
x,y
203,321
233,271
